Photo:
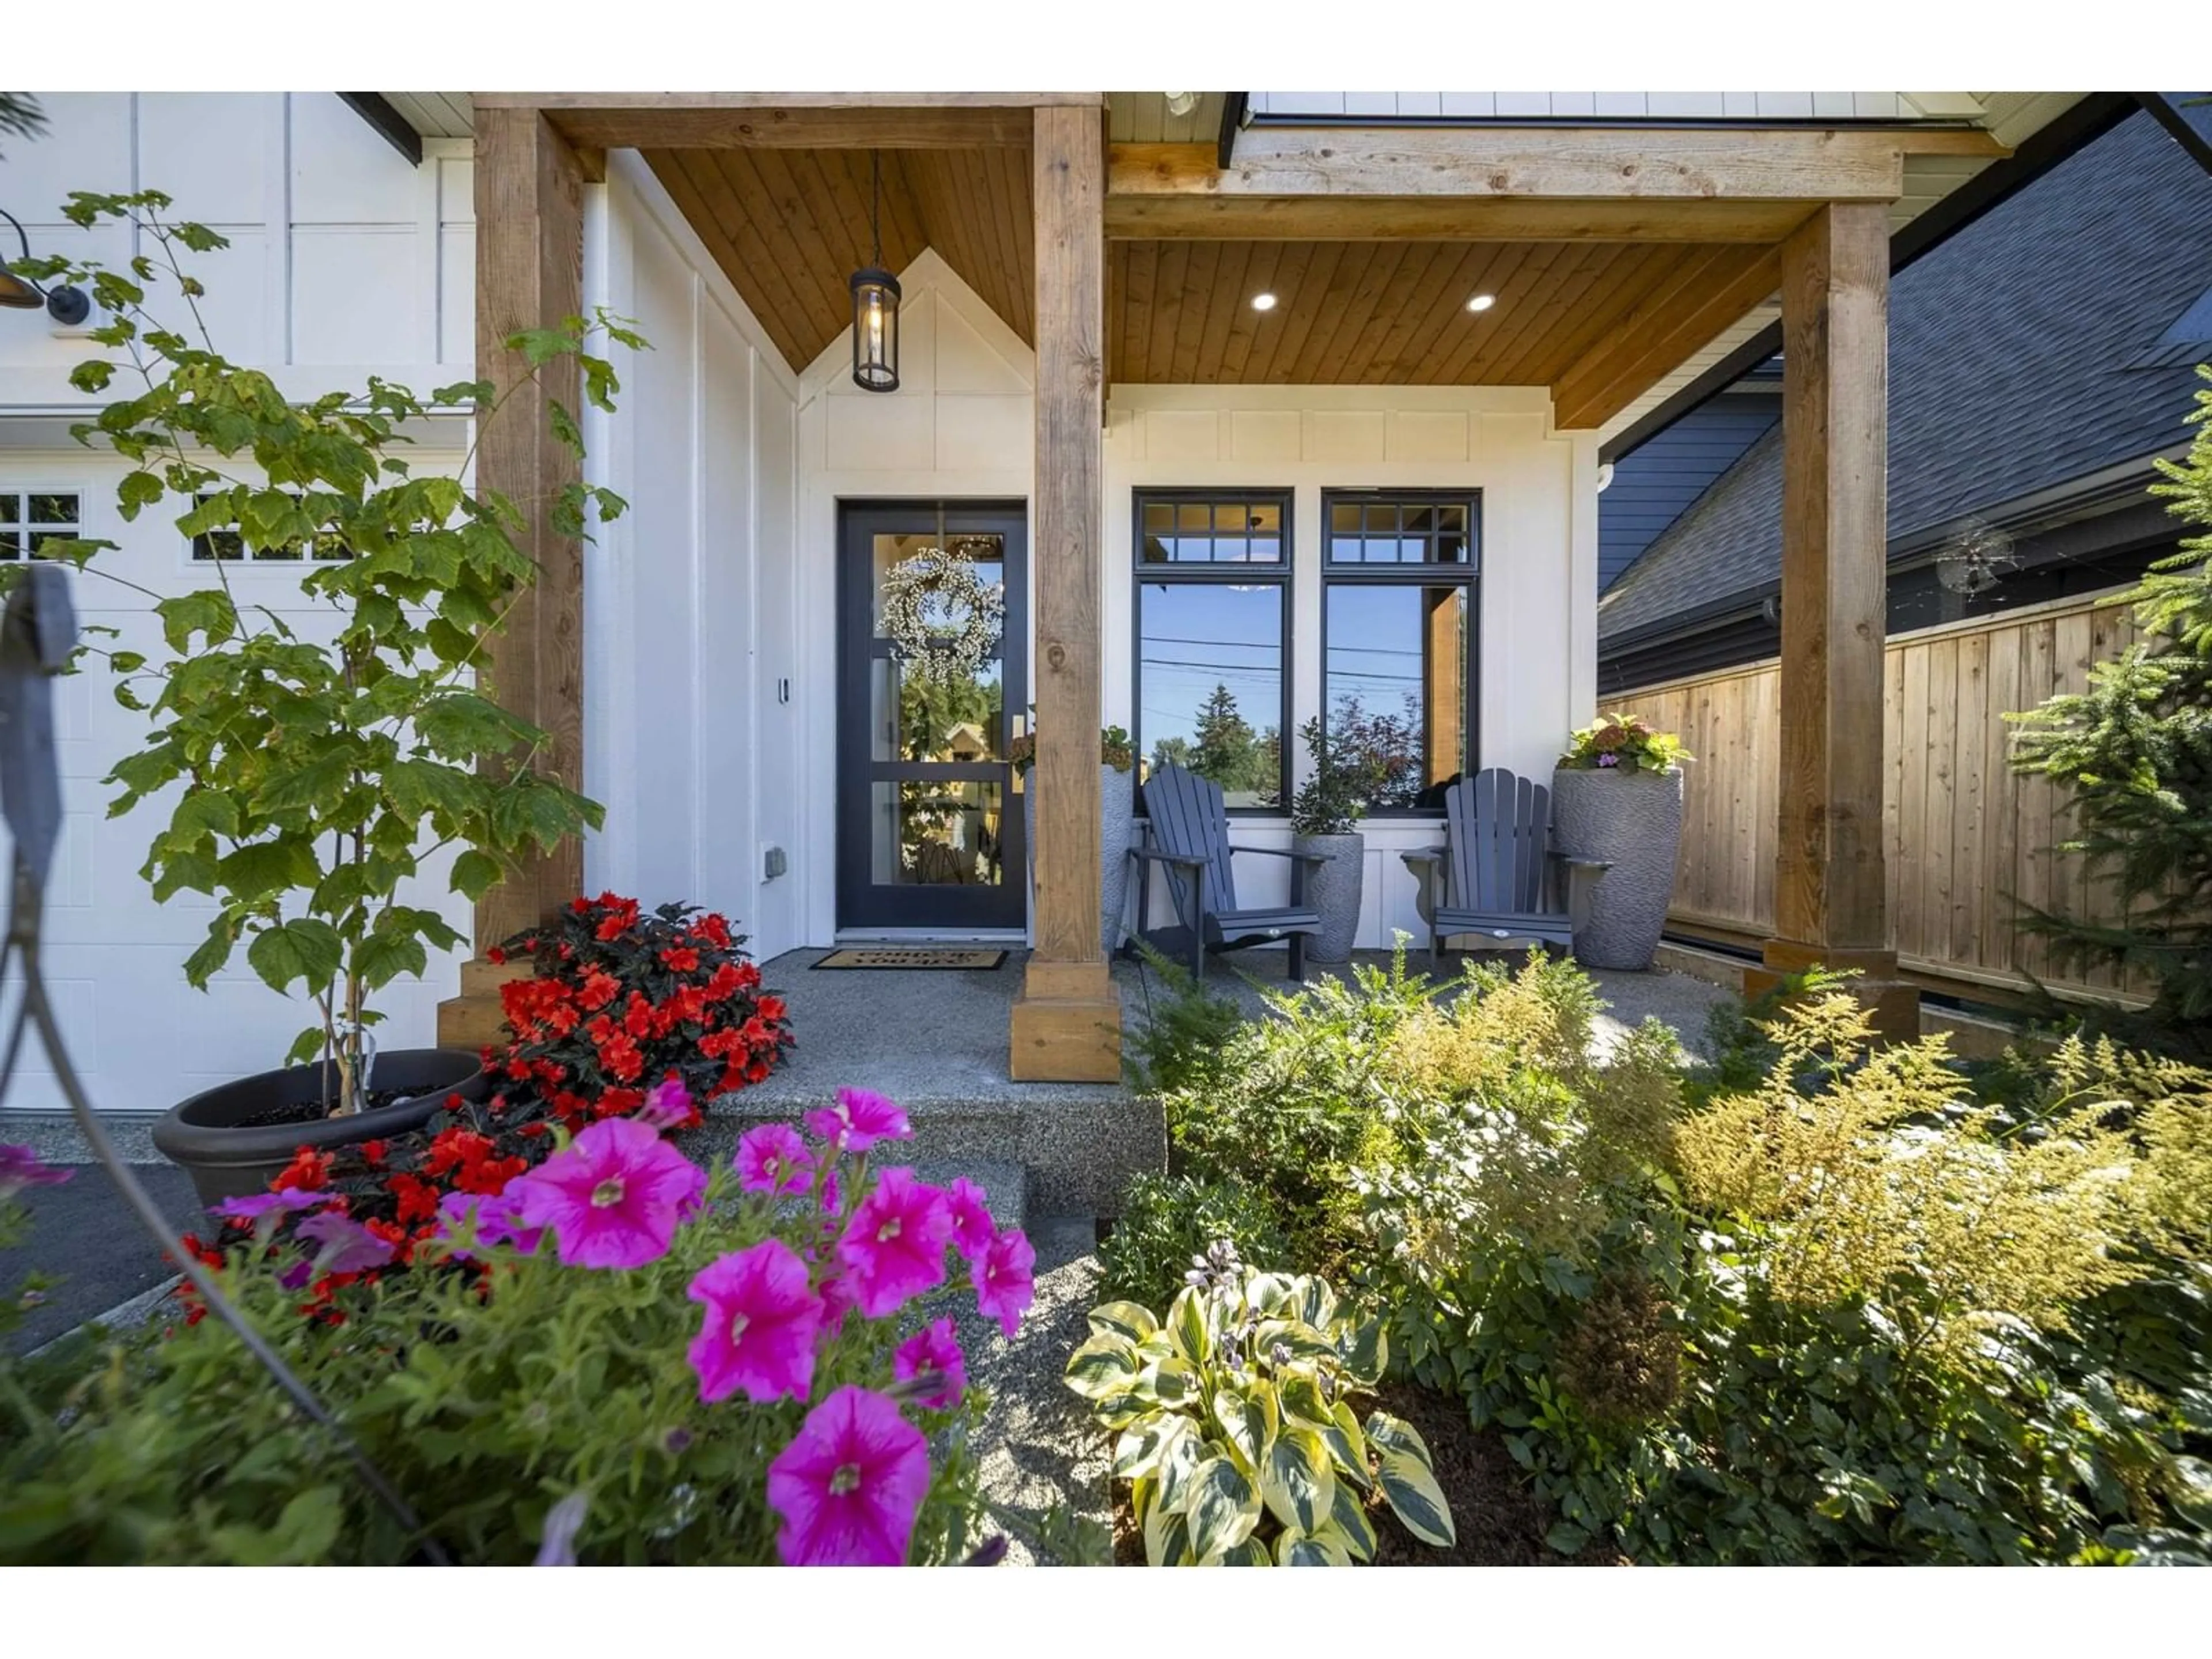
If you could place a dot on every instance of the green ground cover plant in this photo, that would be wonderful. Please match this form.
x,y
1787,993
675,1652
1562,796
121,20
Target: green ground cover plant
x,y
1809,1302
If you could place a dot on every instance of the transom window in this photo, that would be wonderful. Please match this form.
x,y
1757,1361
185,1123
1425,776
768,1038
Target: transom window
x,y
1212,615
1398,630
29,519
1194,531
1400,530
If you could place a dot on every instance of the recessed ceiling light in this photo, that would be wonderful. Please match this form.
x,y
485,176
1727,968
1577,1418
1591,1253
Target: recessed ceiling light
x,y
1482,302
1263,302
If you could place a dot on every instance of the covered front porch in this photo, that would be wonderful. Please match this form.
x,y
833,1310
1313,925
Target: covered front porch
x,y
1116,280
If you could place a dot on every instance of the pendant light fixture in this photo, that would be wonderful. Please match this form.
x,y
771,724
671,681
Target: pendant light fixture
x,y
875,302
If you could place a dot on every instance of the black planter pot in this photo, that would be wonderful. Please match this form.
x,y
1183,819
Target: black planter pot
x,y
225,1161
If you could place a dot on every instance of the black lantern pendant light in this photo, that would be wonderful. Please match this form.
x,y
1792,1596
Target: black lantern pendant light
x,y
875,304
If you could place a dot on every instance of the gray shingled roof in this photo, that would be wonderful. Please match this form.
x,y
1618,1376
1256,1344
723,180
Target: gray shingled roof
x,y
2019,358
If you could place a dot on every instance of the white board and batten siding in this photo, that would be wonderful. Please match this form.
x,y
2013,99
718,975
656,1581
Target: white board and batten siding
x,y
689,621
961,425
344,261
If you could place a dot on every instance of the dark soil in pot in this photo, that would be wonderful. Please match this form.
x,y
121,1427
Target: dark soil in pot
x,y
235,1137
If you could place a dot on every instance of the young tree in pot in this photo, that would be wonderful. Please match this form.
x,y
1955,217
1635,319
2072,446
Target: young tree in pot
x,y
318,776
1324,811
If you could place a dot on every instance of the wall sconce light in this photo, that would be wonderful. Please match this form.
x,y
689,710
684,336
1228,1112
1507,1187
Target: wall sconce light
x,y
65,304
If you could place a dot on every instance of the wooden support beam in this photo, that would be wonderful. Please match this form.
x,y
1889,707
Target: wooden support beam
x,y
1067,1024
1741,164
808,120
1829,897
1144,216
1660,332
529,216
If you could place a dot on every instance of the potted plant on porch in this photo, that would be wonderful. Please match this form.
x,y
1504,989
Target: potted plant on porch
x,y
1117,810
1325,811
1617,797
309,772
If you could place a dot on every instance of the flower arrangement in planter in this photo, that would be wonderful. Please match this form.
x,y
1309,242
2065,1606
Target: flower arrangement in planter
x,y
625,998
1617,797
1325,813
632,1015
318,778
637,1360
1232,1419
1625,742
1117,813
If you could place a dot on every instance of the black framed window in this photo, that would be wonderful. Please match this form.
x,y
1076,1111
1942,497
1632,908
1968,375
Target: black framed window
x,y
1400,577
29,519
1213,638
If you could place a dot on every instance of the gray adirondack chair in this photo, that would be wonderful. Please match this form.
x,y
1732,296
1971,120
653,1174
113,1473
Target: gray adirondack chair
x,y
1187,831
1498,874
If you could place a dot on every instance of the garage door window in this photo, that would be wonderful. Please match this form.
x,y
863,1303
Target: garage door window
x,y
29,519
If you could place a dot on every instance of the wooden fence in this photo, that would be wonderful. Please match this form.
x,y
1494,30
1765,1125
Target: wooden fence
x,y
1966,838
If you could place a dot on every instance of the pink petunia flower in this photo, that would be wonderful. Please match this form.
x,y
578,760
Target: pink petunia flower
x,y
836,1293
849,1484
346,1246
1005,1284
859,1120
614,1197
20,1167
498,1218
772,1158
894,1246
668,1106
762,1319
972,1226
935,1347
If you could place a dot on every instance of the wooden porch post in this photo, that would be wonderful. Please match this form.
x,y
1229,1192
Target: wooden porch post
x,y
529,274
1067,1025
1830,902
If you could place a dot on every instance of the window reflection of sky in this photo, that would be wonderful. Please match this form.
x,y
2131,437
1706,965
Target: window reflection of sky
x,y
1198,636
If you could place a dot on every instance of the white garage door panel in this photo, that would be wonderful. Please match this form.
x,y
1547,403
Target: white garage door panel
x,y
140,1035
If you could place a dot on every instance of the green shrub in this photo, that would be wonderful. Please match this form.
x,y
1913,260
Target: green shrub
x,y
1295,1097
1168,1221
1849,1314
1232,1419
1183,1041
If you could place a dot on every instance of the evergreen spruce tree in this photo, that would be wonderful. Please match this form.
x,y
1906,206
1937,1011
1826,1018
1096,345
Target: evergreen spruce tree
x,y
2135,752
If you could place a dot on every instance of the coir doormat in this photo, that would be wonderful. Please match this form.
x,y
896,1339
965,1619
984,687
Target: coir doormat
x,y
915,956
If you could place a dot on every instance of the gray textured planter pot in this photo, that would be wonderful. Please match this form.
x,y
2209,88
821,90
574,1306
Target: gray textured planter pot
x,y
1633,821
1333,889
1117,817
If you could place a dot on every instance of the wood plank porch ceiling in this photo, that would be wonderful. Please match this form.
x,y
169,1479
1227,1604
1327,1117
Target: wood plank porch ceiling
x,y
1594,319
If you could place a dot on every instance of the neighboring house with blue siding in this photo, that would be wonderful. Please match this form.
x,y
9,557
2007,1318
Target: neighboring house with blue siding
x,y
2040,360
1652,485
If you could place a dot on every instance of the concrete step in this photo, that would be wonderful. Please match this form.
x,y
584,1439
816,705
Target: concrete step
x,y
1077,1154
1004,1188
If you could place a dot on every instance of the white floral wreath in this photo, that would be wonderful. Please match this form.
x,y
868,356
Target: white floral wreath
x,y
935,651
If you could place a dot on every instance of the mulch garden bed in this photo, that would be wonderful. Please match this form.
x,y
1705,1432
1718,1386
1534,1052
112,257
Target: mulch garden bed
x,y
1500,1522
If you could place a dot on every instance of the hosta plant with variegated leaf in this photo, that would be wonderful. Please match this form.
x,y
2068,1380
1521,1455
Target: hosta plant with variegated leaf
x,y
1234,1420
